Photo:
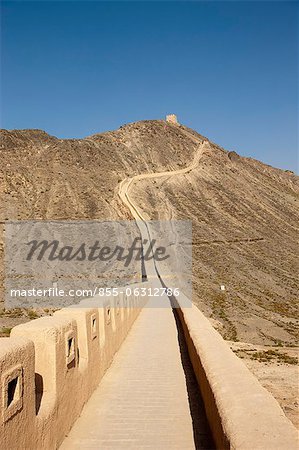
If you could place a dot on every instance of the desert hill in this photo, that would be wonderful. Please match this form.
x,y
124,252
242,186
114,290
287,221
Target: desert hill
x,y
244,213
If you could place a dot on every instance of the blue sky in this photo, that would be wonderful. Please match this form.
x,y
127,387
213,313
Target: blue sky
x,y
227,69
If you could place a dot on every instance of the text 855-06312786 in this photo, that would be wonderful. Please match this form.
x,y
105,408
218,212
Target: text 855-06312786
x,y
139,291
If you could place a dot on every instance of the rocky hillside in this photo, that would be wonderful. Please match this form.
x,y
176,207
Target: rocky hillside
x,y
245,222
244,212
43,177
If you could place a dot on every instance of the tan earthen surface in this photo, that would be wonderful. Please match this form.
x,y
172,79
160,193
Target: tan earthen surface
x,y
242,414
143,401
50,366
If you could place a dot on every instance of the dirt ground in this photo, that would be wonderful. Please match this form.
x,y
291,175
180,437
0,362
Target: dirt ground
x,y
277,370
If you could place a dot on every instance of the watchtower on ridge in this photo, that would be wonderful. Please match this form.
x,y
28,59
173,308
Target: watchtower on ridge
x,y
172,118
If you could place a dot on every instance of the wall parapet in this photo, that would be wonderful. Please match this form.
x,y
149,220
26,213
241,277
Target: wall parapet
x,y
242,414
50,366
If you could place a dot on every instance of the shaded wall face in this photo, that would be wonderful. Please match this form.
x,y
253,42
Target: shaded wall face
x,y
17,408
242,414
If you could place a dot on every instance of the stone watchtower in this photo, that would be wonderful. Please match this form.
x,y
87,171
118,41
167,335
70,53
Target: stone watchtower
x,y
172,118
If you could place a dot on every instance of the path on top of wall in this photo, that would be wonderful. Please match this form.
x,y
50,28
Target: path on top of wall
x,y
126,185
148,398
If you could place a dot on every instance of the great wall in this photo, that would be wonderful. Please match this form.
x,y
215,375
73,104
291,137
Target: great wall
x,y
52,366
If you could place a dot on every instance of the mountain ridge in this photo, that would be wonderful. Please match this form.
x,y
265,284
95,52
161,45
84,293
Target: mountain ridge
x,y
44,177
244,214
37,132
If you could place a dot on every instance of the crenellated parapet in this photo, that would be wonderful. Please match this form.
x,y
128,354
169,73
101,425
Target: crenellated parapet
x,y
50,366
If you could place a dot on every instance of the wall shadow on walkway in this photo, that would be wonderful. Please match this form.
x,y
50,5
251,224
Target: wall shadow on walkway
x,y
203,439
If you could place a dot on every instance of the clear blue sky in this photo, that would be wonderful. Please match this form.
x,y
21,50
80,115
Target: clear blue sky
x,y
227,69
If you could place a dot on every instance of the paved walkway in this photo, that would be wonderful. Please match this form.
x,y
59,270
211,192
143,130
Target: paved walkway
x,y
148,399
